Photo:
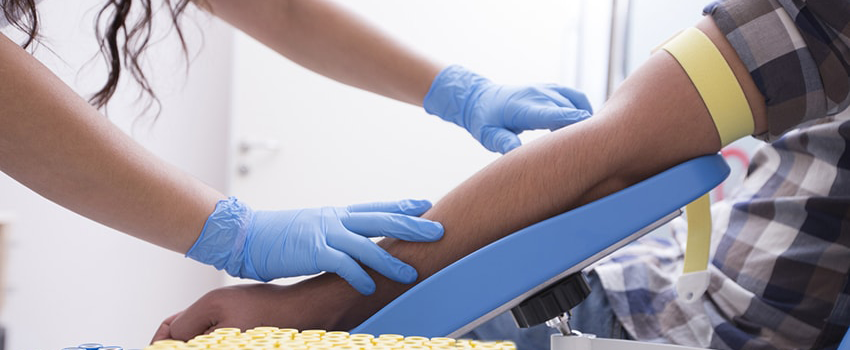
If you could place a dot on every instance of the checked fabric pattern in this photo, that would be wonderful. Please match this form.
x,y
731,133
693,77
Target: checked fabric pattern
x,y
781,244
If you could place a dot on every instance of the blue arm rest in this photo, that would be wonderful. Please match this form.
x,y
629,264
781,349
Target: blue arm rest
x,y
845,343
499,275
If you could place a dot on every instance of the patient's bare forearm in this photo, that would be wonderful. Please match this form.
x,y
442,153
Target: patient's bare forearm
x,y
654,121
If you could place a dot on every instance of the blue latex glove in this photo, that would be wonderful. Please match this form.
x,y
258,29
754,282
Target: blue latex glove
x,y
494,114
264,245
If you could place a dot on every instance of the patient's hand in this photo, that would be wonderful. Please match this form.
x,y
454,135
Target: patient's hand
x,y
249,306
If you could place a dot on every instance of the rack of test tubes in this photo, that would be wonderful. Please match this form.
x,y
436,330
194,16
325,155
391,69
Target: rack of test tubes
x,y
262,338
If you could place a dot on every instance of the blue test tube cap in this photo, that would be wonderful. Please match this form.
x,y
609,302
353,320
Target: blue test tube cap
x,y
90,346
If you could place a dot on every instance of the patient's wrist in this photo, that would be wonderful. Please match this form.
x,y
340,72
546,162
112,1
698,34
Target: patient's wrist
x,y
328,302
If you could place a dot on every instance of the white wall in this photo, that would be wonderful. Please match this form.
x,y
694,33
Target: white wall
x,y
340,145
71,280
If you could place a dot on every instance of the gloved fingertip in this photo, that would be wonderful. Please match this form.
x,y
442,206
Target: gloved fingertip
x,y
416,205
571,117
509,145
413,207
366,287
430,230
407,274
437,231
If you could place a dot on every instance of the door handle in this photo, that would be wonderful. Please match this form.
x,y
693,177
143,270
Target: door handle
x,y
246,146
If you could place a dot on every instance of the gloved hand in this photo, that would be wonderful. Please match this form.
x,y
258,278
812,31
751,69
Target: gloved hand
x,y
494,114
264,245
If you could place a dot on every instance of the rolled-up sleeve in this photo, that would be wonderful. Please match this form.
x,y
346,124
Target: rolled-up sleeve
x,y
798,53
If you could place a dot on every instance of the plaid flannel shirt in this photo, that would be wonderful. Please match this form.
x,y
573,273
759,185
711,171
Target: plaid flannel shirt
x,y
781,243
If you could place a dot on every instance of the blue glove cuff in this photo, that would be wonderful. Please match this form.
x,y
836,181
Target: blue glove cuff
x,y
452,93
222,241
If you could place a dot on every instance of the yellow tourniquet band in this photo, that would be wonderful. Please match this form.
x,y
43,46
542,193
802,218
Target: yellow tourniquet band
x,y
728,107
699,234
715,82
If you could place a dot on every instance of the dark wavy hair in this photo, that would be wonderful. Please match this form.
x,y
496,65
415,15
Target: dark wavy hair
x,y
123,37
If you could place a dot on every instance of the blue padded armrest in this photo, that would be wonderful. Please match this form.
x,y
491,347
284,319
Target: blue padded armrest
x,y
498,274
845,343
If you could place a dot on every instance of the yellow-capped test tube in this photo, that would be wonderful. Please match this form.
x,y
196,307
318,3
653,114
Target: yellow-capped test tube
x,y
319,332
268,329
227,331
391,336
